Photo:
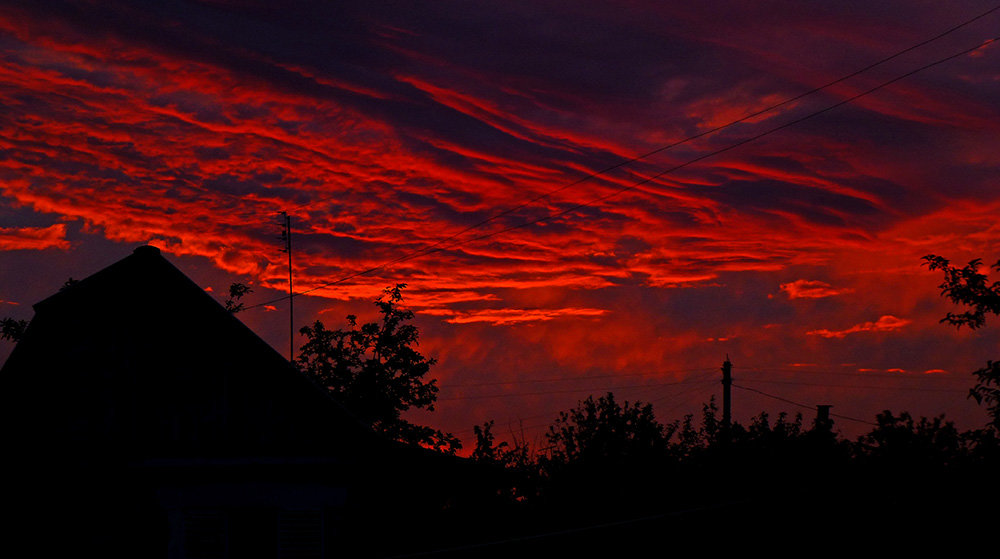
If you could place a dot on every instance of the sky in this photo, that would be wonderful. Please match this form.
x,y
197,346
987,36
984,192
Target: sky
x,y
580,196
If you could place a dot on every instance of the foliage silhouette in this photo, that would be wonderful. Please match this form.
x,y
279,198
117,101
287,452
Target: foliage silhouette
x,y
781,438
967,286
987,389
900,441
516,456
602,457
236,292
972,288
12,329
376,371
515,459
926,466
607,462
487,449
602,430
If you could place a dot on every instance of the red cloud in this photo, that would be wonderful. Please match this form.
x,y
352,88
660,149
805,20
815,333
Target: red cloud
x,y
811,289
503,317
887,323
160,136
33,238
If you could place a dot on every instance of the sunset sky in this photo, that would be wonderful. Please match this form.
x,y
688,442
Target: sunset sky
x,y
386,129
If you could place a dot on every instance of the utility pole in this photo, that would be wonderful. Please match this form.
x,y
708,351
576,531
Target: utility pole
x,y
727,402
286,235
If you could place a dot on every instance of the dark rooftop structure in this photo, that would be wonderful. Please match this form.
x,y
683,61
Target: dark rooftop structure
x,y
143,419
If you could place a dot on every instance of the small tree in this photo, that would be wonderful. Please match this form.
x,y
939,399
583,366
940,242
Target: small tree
x,y
376,372
970,287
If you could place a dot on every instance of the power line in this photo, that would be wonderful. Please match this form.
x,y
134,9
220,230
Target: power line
x,y
794,403
721,150
693,385
438,248
708,132
682,397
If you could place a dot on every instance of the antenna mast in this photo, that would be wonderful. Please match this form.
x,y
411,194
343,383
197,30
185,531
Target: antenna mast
x,y
286,235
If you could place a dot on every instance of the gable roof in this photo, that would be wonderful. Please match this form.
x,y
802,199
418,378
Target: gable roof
x,y
138,360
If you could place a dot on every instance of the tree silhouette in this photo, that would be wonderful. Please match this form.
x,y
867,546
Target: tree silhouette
x,y
12,329
236,292
902,442
783,430
376,371
972,288
968,286
515,456
603,458
521,475
987,390
602,430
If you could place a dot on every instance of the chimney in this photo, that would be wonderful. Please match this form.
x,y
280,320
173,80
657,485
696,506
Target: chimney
x,y
823,417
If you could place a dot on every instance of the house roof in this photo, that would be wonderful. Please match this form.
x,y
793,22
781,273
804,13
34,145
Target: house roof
x,y
140,359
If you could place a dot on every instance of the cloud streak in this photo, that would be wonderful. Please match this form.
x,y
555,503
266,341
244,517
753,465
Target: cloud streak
x,y
503,317
33,238
887,323
811,289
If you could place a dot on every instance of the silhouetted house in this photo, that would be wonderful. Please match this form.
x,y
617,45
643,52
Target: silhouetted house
x,y
141,418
